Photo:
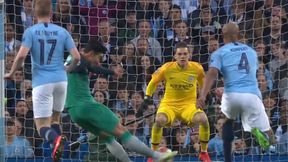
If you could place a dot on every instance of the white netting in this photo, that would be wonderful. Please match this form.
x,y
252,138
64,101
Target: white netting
x,y
140,36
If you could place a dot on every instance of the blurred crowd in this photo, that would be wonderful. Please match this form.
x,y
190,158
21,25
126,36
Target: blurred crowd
x,y
140,36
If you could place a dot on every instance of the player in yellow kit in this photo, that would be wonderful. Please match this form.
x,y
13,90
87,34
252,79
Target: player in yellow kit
x,y
182,78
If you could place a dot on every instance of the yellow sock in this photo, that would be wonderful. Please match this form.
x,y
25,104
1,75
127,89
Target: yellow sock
x,y
156,136
204,135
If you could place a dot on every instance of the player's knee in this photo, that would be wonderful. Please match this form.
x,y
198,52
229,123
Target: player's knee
x,y
119,130
201,119
227,131
161,120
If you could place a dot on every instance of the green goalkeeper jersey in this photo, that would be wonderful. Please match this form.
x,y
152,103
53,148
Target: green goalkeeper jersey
x,y
78,91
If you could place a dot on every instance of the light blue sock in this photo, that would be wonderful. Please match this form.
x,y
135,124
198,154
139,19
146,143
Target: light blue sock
x,y
117,150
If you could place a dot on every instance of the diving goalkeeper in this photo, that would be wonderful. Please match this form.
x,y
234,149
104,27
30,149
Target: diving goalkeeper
x,y
95,117
182,78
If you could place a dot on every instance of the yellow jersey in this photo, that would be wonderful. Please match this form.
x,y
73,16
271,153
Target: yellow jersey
x,y
180,83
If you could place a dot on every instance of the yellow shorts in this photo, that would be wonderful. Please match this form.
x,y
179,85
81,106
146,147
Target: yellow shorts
x,y
185,113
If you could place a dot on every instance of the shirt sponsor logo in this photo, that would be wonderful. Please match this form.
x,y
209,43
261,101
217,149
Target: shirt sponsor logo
x,y
181,86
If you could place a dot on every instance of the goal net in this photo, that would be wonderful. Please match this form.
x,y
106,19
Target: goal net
x,y
140,36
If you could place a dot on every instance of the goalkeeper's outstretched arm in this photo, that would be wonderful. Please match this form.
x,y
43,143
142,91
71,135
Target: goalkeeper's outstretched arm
x,y
148,96
151,88
157,77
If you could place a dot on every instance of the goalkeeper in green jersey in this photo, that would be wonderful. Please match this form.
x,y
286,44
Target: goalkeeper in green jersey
x,y
95,117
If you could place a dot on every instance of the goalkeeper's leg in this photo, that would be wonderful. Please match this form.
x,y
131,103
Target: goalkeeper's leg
x,y
204,134
157,130
165,116
204,129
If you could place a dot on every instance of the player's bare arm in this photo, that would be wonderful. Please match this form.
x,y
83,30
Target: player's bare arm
x,y
209,80
18,62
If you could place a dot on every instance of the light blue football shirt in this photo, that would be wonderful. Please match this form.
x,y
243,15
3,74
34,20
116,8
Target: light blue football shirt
x,y
238,64
47,43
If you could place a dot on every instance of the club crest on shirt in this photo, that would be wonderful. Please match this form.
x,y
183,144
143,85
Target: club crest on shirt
x,y
190,78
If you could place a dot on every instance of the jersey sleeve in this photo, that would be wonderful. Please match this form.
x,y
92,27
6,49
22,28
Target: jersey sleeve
x,y
69,43
100,70
27,39
158,75
216,60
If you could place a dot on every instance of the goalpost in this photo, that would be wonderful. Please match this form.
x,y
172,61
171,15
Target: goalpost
x,y
2,93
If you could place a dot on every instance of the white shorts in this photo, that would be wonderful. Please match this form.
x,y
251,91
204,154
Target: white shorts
x,y
249,107
48,98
